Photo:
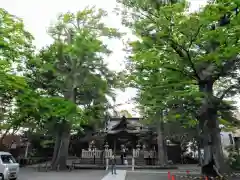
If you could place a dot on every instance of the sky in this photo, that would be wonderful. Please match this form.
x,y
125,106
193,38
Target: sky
x,y
37,15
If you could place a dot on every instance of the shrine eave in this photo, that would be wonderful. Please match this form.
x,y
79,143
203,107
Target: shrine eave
x,y
120,118
111,132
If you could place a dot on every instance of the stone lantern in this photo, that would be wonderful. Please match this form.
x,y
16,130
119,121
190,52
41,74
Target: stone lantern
x,y
106,146
138,146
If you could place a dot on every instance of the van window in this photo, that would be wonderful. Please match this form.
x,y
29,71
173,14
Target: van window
x,y
8,159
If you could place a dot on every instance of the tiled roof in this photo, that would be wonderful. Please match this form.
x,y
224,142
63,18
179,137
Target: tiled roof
x,y
133,125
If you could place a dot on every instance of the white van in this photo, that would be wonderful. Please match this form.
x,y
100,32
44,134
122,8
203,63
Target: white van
x,y
9,168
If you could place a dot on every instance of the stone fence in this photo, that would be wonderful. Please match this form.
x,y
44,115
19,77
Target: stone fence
x,y
108,153
91,154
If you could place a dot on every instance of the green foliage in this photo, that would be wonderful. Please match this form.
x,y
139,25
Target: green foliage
x,y
15,47
67,82
178,54
15,42
71,72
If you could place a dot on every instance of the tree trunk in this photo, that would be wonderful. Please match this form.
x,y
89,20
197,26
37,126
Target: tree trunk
x,y
165,150
61,152
199,154
213,162
56,147
199,146
160,142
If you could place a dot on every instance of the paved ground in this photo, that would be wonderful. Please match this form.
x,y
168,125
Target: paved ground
x,y
30,174
146,176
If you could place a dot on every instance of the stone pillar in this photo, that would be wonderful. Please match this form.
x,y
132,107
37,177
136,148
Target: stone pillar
x,y
107,163
133,163
106,156
114,146
26,150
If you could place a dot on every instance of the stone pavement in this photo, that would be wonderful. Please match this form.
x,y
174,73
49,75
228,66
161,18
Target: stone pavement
x,y
146,176
121,175
30,174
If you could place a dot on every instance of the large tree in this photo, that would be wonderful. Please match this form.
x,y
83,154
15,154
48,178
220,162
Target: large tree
x,y
201,48
73,68
15,47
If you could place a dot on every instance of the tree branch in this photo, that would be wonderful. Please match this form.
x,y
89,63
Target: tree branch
x,y
177,47
180,51
179,70
195,36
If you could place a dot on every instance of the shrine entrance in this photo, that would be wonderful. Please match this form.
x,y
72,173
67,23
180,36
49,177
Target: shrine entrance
x,y
128,139
122,140
123,134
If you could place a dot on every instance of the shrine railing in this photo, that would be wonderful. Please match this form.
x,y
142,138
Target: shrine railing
x,y
108,153
149,154
136,153
146,154
91,154
96,153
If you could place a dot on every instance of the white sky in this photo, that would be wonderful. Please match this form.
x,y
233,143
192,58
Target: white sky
x,y
38,14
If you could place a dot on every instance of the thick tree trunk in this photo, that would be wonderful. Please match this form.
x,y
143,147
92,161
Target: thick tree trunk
x,y
56,147
199,145
213,162
161,150
60,156
165,151
199,154
160,142
218,151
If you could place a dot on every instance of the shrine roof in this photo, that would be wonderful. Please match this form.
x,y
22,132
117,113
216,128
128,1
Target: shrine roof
x,y
128,119
129,125
115,121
